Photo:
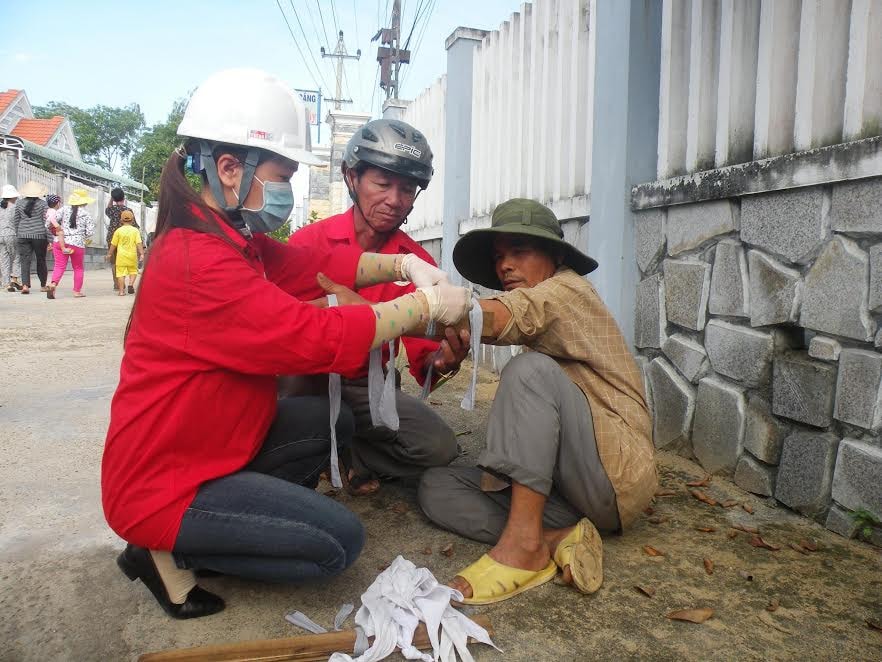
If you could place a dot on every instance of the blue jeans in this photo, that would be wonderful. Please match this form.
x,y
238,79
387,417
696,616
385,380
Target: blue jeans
x,y
267,522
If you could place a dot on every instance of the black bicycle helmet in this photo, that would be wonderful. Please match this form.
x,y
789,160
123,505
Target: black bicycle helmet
x,y
392,145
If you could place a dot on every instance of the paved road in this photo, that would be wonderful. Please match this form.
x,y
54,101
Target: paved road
x,y
62,597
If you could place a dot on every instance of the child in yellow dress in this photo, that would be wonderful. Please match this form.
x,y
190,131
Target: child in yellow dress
x,y
126,244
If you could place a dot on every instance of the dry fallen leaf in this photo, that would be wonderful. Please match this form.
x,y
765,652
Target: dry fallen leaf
x,y
773,605
766,618
648,591
659,519
798,548
731,534
648,510
705,529
704,498
447,550
652,551
666,493
874,625
464,433
691,615
747,508
757,541
810,545
399,507
435,403
709,566
745,528
745,575
427,550
704,482
729,503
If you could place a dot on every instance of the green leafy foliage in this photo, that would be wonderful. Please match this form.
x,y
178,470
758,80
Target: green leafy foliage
x,y
866,522
282,233
106,135
153,149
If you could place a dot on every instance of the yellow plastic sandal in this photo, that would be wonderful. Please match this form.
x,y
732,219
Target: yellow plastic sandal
x,y
492,581
582,550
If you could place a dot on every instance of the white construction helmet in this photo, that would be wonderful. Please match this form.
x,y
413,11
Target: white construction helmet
x,y
251,108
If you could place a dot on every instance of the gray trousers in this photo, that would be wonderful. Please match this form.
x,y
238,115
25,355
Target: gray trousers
x,y
540,435
423,439
10,262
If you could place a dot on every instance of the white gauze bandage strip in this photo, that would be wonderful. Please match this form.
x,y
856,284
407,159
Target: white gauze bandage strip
x,y
381,391
335,390
476,324
427,385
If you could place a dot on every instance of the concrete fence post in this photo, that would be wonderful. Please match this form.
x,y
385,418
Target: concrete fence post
x,y
628,58
457,140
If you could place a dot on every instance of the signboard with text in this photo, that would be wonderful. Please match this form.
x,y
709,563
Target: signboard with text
x,y
313,101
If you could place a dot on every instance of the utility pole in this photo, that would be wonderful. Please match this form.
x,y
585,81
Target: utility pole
x,y
390,55
340,54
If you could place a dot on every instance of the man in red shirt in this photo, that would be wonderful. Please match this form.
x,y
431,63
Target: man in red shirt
x,y
385,165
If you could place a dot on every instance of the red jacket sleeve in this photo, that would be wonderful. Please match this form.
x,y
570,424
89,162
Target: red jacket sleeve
x,y
239,321
293,267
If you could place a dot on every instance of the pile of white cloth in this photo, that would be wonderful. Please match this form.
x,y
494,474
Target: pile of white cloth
x,y
392,607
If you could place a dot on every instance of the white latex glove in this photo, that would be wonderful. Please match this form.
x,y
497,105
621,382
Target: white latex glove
x,y
421,273
448,304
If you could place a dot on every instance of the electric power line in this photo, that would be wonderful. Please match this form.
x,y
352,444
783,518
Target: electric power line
x,y
334,16
376,87
416,17
355,18
322,19
430,9
306,40
294,39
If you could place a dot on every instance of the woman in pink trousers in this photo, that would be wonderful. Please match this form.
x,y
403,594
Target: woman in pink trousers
x,y
78,227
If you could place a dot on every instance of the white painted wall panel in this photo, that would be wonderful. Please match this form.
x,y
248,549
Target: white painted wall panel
x,y
426,113
751,79
532,110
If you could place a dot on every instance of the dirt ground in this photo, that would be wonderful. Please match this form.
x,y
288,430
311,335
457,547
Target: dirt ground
x,y
63,598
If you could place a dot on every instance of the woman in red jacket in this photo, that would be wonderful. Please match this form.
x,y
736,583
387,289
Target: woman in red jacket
x,y
203,469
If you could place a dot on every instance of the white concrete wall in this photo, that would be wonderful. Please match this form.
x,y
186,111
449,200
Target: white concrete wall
x,y
749,79
426,113
532,112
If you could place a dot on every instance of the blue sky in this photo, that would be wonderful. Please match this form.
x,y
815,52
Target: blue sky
x,y
152,53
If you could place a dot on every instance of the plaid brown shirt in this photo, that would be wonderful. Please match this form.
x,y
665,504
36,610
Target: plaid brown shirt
x,y
564,318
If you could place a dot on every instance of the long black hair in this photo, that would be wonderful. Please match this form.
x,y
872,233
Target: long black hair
x,y
4,203
73,216
29,207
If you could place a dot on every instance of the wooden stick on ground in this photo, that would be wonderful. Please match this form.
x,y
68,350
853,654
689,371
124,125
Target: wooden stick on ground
x,y
305,648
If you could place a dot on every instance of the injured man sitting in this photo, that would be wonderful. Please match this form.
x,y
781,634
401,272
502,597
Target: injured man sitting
x,y
569,448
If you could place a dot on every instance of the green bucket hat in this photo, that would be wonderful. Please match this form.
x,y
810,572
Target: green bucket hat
x,y
473,254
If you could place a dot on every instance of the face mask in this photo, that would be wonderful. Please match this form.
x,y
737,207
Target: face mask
x,y
278,201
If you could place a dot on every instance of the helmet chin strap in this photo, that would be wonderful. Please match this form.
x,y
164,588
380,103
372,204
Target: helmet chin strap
x,y
354,196
234,214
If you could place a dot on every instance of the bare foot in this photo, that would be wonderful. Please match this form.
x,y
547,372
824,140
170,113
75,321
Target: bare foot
x,y
552,539
365,488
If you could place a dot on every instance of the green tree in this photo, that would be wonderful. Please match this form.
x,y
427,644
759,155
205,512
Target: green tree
x,y
105,135
282,233
153,149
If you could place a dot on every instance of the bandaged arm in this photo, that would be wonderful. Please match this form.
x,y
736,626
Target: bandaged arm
x,y
374,268
443,303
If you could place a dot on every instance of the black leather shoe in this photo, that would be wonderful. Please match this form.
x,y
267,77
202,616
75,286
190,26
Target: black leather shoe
x,y
137,563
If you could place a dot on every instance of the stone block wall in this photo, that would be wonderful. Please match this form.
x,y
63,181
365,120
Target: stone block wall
x,y
758,330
